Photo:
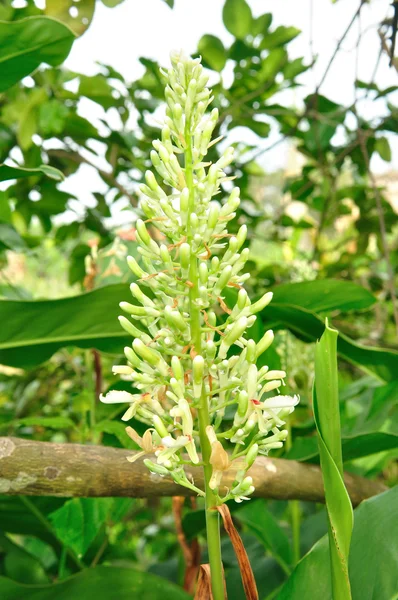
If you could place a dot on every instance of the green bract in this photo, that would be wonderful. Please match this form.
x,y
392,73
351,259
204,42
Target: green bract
x,y
182,363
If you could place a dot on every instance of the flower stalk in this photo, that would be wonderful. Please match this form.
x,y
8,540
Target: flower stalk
x,y
192,357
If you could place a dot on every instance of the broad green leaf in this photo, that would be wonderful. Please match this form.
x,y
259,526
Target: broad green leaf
x,y
307,326
237,17
324,295
26,43
78,19
101,583
8,172
213,52
48,422
327,421
355,446
260,521
36,329
373,564
281,36
18,564
79,520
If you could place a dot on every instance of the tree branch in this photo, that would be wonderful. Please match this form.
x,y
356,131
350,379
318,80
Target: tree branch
x,y
46,469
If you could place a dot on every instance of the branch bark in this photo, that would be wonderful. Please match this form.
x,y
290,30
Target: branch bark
x,y
46,469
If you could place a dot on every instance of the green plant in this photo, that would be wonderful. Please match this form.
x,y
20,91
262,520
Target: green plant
x,y
327,420
184,362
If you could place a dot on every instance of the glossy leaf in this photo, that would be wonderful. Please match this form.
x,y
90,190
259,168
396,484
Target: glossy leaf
x,y
356,446
36,329
307,326
26,43
373,557
324,295
101,583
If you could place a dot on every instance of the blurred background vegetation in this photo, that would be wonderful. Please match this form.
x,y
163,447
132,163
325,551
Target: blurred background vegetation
x,y
323,235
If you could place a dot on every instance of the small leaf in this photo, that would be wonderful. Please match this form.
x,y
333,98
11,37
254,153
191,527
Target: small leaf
x,y
383,149
237,17
213,52
281,36
8,172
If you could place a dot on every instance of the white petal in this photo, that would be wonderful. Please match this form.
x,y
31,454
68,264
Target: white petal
x,y
116,396
170,442
280,402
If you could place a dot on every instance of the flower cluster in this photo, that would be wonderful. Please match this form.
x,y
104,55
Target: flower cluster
x,y
191,357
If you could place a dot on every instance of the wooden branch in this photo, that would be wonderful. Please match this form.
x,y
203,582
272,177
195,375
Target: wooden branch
x,y
46,469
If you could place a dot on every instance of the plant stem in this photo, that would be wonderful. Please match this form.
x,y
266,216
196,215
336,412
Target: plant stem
x,y
212,515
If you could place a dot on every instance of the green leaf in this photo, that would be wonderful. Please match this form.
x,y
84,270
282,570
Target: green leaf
x,y
112,3
36,329
262,24
213,52
78,20
281,36
101,583
48,422
26,43
383,149
355,446
7,172
327,421
79,520
237,17
260,521
373,557
10,238
324,295
307,326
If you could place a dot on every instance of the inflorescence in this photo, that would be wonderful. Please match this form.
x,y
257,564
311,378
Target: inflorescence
x,y
183,354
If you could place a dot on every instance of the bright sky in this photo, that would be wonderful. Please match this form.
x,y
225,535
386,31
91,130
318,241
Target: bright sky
x,y
119,36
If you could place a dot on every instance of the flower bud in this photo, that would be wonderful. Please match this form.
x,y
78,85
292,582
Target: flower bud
x,y
223,280
134,266
251,455
232,336
264,343
155,468
175,319
139,311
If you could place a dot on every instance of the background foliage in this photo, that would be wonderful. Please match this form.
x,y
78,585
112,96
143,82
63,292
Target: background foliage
x,y
63,273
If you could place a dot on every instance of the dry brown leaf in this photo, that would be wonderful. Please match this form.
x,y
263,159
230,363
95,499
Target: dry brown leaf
x,y
249,583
